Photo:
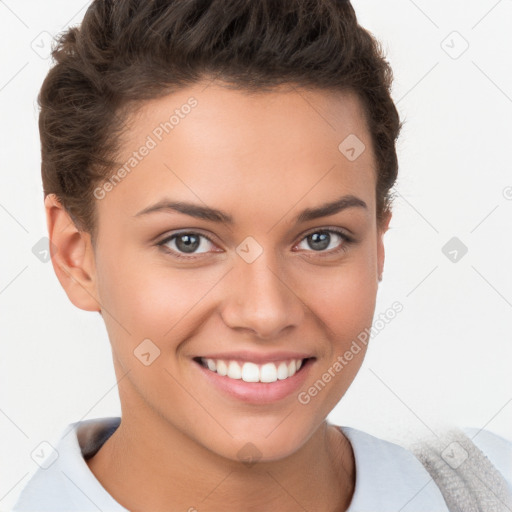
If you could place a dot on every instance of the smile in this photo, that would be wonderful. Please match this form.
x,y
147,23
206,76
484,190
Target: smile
x,y
255,378
252,372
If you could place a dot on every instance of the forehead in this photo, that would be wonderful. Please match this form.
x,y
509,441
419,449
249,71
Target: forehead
x,y
311,113
218,144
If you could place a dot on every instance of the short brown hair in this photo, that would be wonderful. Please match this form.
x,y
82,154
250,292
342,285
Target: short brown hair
x,y
128,51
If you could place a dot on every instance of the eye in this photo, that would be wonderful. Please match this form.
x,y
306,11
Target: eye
x,y
186,242
326,241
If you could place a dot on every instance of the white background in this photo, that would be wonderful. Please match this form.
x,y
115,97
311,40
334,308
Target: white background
x,y
445,358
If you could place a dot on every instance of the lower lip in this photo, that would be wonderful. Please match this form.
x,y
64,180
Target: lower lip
x,y
258,392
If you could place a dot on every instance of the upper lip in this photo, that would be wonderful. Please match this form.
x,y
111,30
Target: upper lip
x,y
258,358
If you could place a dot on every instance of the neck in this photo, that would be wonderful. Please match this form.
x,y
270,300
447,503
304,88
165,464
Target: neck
x,y
152,465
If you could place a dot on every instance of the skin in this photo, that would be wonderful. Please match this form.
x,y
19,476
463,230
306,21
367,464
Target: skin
x,y
262,158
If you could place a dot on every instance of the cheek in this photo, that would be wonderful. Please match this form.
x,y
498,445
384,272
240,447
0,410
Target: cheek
x,y
347,311
351,302
146,298
343,297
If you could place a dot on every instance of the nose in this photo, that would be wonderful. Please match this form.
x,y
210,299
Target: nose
x,y
260,299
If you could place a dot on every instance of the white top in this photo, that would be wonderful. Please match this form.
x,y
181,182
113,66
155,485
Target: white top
x,y
388,477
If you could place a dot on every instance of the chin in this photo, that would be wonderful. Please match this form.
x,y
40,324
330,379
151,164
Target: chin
x,y
253,445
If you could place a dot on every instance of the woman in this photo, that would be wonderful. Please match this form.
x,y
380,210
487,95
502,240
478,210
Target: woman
x,y
217,182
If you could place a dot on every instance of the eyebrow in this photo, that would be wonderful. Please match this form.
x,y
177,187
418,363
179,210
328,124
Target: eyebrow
x,y
215,215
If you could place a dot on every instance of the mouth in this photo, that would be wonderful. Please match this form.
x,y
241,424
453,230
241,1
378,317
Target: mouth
x,y
253,372
255,383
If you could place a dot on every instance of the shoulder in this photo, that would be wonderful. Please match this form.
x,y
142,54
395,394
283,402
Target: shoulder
x,y
458,468
389,477
496,448
63,481
456,448
471,467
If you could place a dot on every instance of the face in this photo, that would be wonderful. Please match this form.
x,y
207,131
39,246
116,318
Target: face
x,y
243,237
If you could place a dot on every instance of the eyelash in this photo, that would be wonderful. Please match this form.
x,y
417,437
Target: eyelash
x,y
346,241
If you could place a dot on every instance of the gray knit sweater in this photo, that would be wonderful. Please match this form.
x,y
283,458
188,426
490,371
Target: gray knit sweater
x,y
465,476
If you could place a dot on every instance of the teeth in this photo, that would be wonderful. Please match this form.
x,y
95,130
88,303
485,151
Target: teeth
x,y
282,371
234,370
268,373
251,372
222,368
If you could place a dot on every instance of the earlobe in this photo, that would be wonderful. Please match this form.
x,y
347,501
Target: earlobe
x,y
72,256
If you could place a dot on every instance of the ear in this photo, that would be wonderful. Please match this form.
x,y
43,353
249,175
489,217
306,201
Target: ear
x,y
72,256
384,226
